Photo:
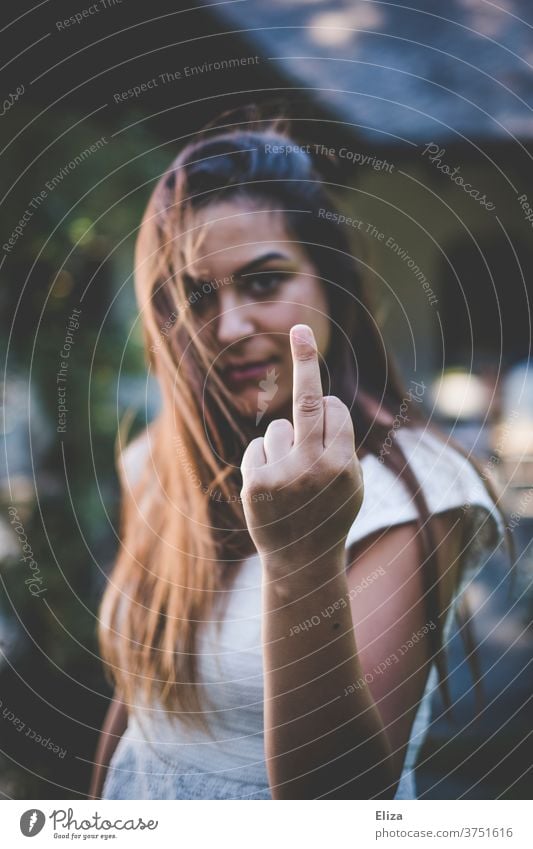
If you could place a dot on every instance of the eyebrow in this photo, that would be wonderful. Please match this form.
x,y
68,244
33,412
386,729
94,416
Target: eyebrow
x,y
244,269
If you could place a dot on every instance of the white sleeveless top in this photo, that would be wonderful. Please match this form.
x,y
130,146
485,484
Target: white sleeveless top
x,y
158,757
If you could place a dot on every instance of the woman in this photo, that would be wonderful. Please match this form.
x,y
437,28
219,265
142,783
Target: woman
x,y
274,630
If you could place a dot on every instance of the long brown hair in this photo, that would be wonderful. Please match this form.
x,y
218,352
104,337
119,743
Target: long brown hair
x,y
178,558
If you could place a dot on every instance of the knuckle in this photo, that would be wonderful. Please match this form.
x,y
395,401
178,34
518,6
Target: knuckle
x,y
250,448
251,480
310,477
279,424
340,465
279,490
345,471
335,401
305,353
333,468
334,404
256,481
308,403
248,492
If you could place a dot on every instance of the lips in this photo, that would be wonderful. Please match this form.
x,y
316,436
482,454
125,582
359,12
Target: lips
x,y
250,370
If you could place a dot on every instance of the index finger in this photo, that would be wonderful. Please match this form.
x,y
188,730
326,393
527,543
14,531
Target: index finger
x,y
307,397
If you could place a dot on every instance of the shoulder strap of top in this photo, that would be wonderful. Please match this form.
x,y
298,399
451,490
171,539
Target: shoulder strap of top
x,y
115,723
447,479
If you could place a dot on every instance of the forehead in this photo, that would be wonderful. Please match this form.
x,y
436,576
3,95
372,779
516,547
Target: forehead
x,y
233,234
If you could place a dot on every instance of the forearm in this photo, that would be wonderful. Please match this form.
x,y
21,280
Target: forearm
x,y
321,739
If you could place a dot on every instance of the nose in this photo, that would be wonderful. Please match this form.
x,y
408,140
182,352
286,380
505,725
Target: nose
x,y
235,321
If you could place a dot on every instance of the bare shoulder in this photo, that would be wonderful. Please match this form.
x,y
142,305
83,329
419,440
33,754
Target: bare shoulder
x,y
397,552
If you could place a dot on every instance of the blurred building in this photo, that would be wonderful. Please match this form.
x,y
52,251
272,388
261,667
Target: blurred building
x,y
424,95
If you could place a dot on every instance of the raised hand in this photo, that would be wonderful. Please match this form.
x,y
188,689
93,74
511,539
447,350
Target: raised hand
x,y
302,482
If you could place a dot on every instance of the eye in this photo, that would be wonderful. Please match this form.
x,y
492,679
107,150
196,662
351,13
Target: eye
x,y
264,283
201,300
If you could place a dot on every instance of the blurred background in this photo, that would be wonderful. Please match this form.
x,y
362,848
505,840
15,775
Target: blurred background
x,y
95,105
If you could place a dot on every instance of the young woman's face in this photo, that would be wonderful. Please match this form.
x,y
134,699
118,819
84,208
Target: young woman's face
x,y
252,281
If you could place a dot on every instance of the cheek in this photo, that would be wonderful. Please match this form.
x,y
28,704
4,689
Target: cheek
x,y
317,315
304,302
322,329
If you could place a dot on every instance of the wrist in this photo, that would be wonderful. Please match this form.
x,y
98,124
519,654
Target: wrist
x,y
295,569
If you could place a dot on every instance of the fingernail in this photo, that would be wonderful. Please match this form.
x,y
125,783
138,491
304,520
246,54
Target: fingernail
x,y
302,333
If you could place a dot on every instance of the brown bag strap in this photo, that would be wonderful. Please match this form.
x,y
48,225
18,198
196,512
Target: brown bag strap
x,y
115,723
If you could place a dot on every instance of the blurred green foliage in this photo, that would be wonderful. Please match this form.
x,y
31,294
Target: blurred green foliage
x,y
76,251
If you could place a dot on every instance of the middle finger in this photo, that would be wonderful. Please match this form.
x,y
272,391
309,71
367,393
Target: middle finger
x,y
307,395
